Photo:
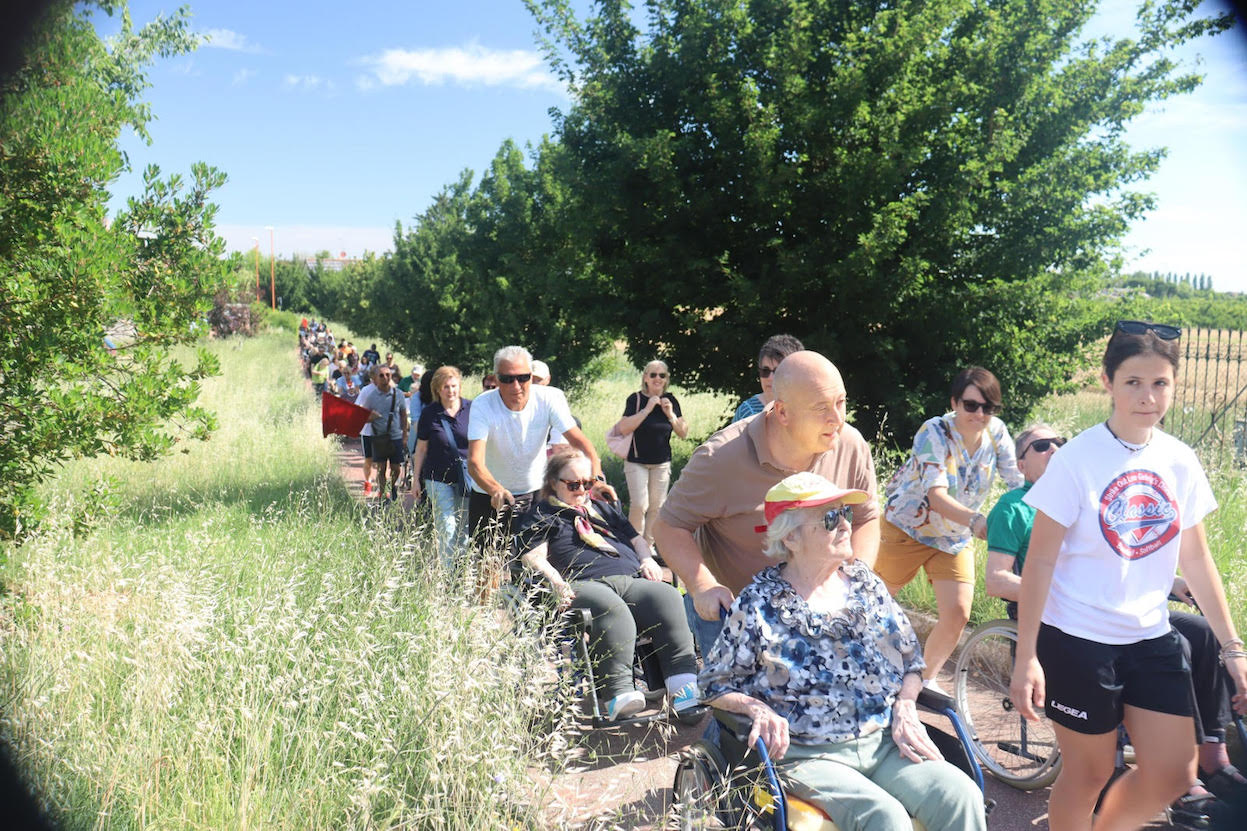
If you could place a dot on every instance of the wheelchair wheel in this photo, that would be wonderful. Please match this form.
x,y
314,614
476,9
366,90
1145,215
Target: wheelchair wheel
x,y
1020,753
699,794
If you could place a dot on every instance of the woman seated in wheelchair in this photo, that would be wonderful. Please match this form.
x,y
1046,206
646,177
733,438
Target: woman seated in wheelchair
x,y
594,559
824,662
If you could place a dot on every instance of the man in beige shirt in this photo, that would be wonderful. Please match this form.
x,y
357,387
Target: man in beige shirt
x,y
709,530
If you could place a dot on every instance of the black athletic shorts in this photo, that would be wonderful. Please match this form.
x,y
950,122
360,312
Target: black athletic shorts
x,y
1088,683
366,443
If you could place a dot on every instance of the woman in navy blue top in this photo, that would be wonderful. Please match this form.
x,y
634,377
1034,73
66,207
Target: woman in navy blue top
x,y
441,451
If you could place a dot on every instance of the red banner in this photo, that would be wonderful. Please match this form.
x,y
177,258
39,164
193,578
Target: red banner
x,y
341,417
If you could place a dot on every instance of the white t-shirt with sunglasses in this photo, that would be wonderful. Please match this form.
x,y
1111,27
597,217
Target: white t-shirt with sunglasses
x,y
515,440
1125,513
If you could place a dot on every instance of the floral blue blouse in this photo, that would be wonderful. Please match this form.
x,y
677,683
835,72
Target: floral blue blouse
x,y
833,676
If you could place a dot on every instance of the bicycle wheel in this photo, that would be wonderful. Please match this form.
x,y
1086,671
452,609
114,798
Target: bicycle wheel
x,y
1020,753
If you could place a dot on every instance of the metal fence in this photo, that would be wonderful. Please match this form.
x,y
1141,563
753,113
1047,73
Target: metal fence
x,y
1210,412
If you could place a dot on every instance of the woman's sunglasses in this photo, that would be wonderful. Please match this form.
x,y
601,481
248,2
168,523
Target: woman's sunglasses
x,y
975,406
658,375
1142,327
1042,445
765,371
577,485
831,519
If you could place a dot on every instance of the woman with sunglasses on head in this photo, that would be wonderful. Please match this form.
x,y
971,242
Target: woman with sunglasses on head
x,y
823,661
650,417
1118,510
933,502
594,559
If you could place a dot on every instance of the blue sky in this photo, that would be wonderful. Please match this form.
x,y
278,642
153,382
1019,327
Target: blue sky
x,y
334,120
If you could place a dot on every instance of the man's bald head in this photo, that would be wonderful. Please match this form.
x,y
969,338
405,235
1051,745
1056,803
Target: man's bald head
x,y
809,406
802,371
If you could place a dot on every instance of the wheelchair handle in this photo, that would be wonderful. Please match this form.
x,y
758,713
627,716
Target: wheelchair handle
x,y
1190,598
772,782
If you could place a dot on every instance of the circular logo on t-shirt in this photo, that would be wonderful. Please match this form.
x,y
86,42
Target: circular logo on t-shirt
x,y
1138,515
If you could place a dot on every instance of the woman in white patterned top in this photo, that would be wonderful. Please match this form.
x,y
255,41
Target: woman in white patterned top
x,y
933,505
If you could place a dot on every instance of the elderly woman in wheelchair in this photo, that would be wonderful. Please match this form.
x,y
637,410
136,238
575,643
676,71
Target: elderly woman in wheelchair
x,y
822,660
595,560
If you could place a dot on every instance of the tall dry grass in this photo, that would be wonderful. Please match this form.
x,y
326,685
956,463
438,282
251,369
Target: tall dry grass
x,y
225,640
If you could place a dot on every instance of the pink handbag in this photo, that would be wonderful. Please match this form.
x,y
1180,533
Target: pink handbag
x,y
617,442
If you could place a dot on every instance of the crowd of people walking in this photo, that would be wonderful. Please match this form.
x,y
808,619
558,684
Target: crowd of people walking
x,y
777,526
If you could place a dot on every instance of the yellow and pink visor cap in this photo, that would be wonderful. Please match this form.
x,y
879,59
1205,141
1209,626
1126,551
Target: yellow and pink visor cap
x,y
807,490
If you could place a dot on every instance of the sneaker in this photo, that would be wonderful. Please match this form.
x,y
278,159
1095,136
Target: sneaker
x,y
367,488
685,698
625,705
934,686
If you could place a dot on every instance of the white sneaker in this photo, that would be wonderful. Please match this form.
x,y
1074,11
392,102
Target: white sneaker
x,y
625,705
933,685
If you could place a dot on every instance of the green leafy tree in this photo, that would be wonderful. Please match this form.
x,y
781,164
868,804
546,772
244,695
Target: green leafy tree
x,y
344,295
909,187
494,265
294,282
145,280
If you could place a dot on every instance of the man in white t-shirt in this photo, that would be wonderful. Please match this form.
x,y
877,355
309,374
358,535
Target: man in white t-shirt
x,y
507,434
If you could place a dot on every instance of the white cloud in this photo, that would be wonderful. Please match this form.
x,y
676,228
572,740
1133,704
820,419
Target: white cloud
x,y
242,76
308,82
231,40
466,65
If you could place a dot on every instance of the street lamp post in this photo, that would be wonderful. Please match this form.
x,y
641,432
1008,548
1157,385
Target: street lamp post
x,y
256,240
272,268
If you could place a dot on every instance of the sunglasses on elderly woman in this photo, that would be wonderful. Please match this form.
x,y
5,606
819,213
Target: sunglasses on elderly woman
x,y
1142,327
975,406
577,485
1042,445
831,519
658,375
523,378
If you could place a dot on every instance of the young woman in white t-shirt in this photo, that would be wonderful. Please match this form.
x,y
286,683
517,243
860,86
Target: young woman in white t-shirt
x,y
1117,511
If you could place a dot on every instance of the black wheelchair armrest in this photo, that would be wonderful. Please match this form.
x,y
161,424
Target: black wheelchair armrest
x,y
937,702
739,725
579,618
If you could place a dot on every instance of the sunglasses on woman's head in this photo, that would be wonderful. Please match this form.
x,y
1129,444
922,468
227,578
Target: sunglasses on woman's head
x,y
577,485
1142,327
658,375
1042,445
523,378
975,406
